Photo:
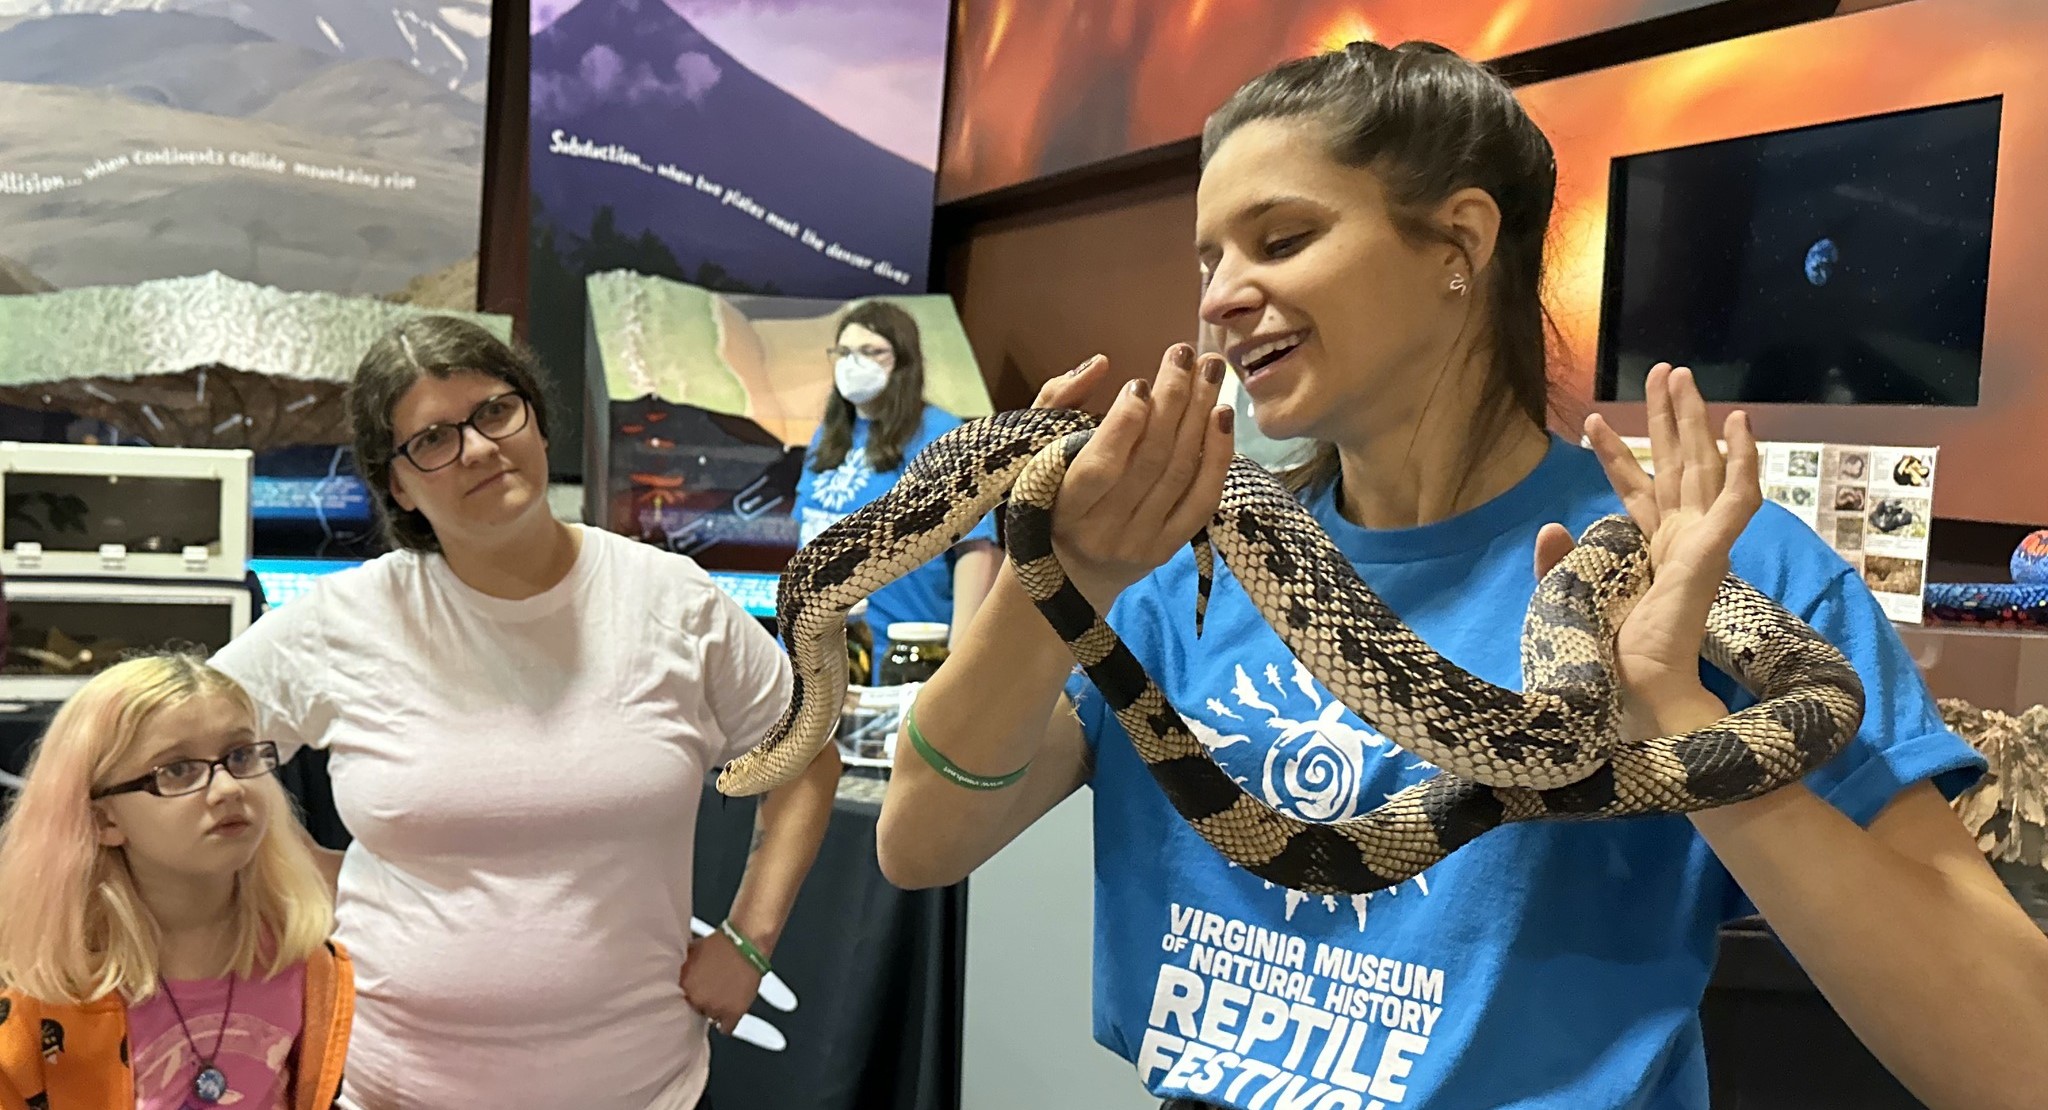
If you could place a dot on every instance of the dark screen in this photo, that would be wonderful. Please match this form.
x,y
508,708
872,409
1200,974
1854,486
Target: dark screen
x,y
1839,264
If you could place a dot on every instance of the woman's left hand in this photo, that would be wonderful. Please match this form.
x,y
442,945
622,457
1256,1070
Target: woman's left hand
x,y
719,981
1691,511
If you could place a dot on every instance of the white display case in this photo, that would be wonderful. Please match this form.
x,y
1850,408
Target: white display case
x,y
60,634
76,510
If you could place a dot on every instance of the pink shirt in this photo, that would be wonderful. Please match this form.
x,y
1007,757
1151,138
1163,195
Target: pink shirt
x,y
517,900
255,1052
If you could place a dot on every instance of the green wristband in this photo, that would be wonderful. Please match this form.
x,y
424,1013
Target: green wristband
x,y
745,946
946,767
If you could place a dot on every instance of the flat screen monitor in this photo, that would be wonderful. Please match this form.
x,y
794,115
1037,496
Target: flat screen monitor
x,y
751,588
1844,263
307,501
284,580
311,483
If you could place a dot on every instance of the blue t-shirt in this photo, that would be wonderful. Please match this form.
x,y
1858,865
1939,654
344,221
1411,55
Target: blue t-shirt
x,y
1544,965
925,594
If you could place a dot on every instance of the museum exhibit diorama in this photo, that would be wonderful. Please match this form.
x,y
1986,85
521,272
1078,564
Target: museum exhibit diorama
x,y
765,302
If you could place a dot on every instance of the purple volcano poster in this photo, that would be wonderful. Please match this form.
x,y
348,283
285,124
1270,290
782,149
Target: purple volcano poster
x,y
745,146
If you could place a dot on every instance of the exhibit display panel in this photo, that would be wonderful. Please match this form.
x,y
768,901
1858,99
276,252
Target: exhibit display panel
x,y
709,401
1842,246
787,149
309,145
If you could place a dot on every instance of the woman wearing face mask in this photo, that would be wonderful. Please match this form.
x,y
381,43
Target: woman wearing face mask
x,y
876,421
1370,230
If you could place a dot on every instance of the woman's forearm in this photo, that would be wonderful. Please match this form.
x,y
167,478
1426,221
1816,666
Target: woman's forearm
x,y
987,710
1904,929
328,860
330,867
974,574
788,828
1939,973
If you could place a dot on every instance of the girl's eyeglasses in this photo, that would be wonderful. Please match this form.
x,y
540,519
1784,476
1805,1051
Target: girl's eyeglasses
x,y
189,776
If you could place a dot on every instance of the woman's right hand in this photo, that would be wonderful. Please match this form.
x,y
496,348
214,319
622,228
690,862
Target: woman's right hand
x,y
1149,479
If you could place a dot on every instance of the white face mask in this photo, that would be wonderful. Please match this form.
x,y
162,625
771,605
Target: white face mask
x,y
860,379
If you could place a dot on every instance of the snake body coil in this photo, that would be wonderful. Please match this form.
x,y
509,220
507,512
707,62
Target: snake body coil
x,y
1551,750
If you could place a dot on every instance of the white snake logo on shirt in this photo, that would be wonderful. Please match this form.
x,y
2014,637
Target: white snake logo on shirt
x,y
1317,762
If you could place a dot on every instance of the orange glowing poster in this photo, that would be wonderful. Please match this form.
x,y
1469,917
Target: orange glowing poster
x,y
1041,86
1915,55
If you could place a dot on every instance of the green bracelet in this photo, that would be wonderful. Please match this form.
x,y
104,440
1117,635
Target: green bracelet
x,y
745,946
947,767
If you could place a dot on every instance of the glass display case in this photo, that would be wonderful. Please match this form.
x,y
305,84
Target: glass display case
x,y
1992,683
60,634
75,510
1991,668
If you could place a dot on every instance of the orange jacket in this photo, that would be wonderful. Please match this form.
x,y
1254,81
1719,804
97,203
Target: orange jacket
x,y
92,1070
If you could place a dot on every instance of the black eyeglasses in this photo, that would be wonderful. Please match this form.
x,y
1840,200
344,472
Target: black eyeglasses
x,y
501,416
189,776
874,353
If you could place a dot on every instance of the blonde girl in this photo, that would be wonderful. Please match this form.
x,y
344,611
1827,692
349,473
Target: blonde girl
x,y
163,924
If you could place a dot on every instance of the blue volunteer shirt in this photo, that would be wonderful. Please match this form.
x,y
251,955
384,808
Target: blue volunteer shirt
x,y
925,594
1554,966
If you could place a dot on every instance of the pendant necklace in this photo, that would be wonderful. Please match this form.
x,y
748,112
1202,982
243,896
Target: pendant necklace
x,y
210,1085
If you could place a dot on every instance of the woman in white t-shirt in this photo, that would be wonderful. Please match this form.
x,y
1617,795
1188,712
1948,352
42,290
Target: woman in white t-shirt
x,y
521,714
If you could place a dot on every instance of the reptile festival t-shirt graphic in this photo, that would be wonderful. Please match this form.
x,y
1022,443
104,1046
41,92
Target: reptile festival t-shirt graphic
x,y
1270,1019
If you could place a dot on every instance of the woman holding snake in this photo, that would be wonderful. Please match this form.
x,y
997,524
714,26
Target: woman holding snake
x,y
1370,228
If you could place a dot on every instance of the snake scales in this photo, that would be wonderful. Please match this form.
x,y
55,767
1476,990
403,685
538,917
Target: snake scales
x,y
1549,751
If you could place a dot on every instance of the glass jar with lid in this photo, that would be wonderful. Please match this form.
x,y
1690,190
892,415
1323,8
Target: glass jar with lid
x,y
860,645
916,648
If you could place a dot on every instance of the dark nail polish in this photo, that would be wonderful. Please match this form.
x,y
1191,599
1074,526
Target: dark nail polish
x,y
1212,369
1227,420
1183,355
1141,389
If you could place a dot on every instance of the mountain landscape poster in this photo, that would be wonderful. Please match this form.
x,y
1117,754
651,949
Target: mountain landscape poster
x,y
308,145
746,146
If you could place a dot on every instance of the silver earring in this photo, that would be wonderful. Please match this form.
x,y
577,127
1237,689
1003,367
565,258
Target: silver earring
x,y
1458,284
